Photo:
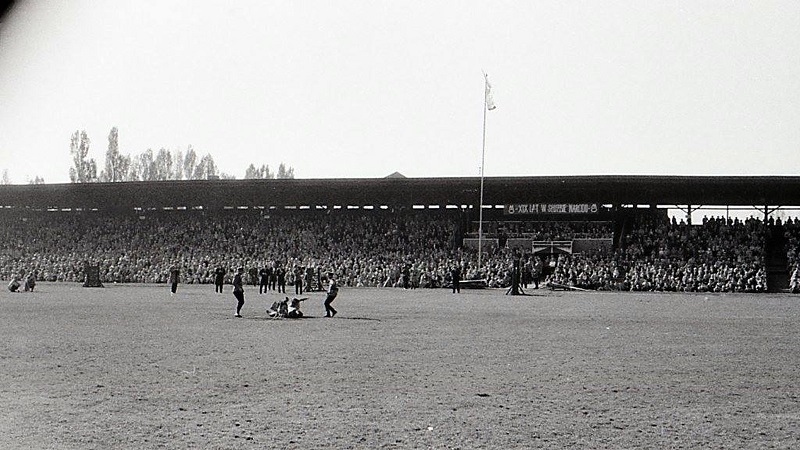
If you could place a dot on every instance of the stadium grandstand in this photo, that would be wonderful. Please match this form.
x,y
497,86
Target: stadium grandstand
x,y
586,232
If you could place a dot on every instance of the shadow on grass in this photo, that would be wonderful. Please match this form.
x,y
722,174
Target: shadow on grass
x,y
355,318
271,319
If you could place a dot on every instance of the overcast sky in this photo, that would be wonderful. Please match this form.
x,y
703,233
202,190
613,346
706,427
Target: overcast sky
x,y
366,88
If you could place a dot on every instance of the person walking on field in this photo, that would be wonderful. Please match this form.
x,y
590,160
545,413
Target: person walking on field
x,y
238,290
333,291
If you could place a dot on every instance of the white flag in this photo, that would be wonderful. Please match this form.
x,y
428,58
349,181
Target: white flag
x,y
489,98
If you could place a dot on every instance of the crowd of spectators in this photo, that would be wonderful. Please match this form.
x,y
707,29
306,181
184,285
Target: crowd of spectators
x,y
792,235
367,249
721,255
381,249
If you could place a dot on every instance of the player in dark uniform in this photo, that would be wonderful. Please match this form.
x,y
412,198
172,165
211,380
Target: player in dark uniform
x,y
174,275
252,276
238,290
406,276
298,280
455,274
281,279
219,279
273,277
263,284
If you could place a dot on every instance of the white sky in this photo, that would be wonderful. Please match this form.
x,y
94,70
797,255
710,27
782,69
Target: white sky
x,y
365,88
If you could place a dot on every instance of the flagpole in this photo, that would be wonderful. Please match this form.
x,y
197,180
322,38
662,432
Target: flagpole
x,y
483,161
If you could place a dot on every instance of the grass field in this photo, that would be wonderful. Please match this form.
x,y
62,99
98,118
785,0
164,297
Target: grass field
x,y
129,366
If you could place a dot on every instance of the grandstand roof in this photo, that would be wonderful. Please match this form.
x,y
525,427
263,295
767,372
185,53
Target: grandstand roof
x,y
655,190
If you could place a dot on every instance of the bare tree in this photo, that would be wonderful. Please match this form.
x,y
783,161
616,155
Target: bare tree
x,y
116,167
284,173
162,165
177,165
84,170
123,167
143,167
254,172
189,163
251,172
5,179
206,168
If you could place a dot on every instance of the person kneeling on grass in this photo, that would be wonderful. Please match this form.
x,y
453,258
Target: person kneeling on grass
x,y
30,282
14,285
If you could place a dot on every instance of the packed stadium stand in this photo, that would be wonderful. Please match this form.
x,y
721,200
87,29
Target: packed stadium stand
x,y
569,232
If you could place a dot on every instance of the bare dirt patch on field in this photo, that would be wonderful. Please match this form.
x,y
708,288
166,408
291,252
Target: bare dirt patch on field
x,y
132,367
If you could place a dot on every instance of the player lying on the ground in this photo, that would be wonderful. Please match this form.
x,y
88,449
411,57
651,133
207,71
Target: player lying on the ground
x,y
285,309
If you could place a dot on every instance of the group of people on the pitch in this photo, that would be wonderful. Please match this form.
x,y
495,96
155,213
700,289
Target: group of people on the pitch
x,y
293,310
27,285
274,277
284,309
